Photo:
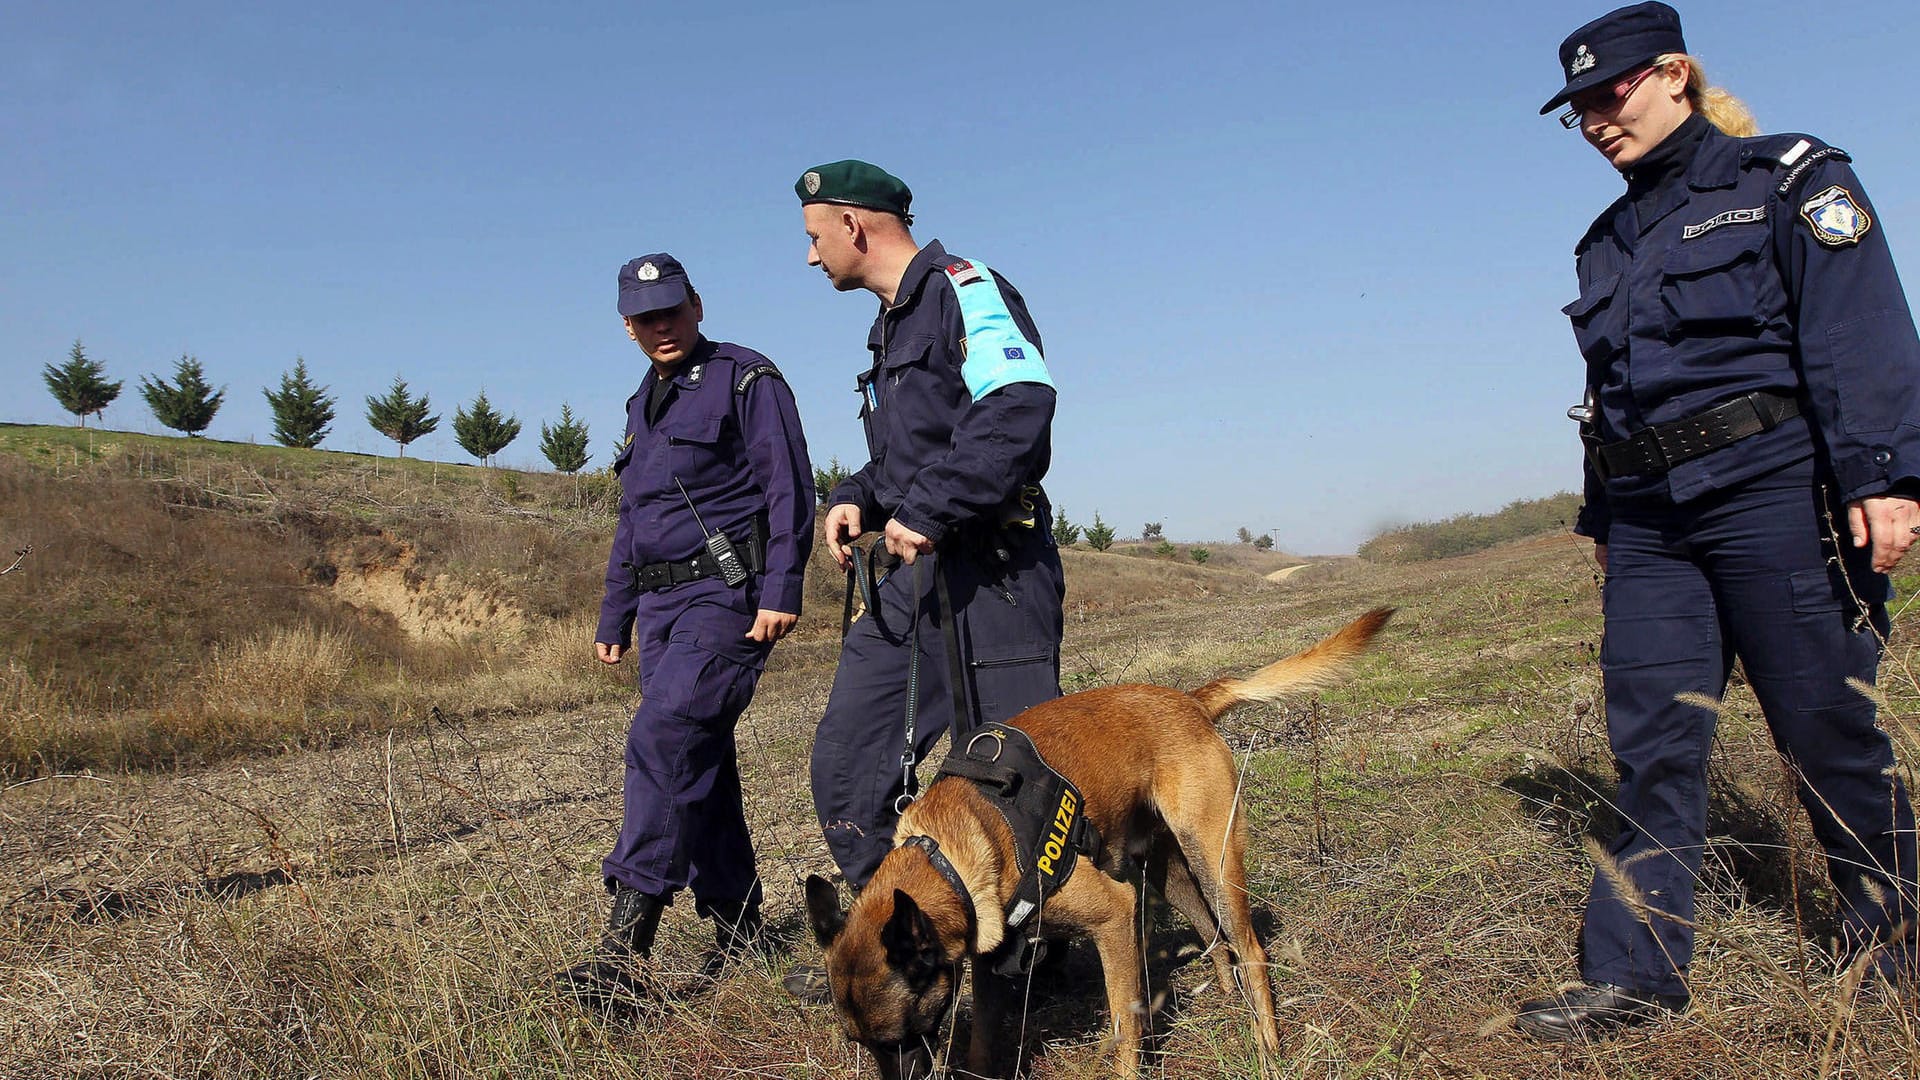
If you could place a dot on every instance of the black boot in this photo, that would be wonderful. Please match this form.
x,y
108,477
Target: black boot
x,y
1593,1011
738,933
808,985
611,982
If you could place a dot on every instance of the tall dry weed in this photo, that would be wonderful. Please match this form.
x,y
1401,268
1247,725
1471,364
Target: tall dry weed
x,y
285,672
30,713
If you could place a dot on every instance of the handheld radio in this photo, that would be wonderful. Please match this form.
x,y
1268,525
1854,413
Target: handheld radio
x,y
719,545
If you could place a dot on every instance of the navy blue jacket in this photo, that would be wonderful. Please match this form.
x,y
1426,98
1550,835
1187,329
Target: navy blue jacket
x,y
733,438
957,405
1728,286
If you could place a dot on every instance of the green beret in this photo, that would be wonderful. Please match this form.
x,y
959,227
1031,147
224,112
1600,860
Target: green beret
x,y
855,183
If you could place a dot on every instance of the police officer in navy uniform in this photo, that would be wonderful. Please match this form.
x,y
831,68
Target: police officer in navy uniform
x,y
1752,419
958,408
716,520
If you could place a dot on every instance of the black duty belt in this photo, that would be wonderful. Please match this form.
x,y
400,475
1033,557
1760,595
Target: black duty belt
x,y
665,575
1654,450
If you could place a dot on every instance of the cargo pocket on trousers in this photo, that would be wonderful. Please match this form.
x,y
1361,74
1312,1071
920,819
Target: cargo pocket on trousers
x,y
1848,593
1815,591
1011,676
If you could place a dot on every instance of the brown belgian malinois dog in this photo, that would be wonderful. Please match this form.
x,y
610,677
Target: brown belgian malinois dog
x,y
1159,784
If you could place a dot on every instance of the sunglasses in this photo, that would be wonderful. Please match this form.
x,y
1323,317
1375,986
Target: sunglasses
x,y
1603,100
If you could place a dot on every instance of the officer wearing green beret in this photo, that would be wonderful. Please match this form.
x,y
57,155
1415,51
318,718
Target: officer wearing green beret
x,y
958,406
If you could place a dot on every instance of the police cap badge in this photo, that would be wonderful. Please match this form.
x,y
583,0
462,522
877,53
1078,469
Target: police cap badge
x,y
652,283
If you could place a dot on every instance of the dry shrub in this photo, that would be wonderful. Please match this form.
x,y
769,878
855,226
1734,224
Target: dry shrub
x,y
286,672
29,713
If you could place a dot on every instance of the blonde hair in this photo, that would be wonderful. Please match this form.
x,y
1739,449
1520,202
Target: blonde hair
x,y
1722,110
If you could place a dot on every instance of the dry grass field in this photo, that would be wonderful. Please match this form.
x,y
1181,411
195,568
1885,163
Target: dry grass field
x,y
304,772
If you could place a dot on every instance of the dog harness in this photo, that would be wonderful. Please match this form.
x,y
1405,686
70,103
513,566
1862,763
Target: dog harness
x,y
1042,810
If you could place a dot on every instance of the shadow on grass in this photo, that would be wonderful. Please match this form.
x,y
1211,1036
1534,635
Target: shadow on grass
x,y
1749,845
1066,1001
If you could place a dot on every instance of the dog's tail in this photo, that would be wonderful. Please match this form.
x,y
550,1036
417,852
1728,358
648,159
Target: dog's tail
x,y
1309,670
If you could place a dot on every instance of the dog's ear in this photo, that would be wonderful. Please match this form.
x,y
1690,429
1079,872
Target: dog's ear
x,y
912,942
823,910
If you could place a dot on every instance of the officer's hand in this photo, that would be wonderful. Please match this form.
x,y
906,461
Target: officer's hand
x,y
771,626
905,543
842,526
1886,522
1600,556
608,654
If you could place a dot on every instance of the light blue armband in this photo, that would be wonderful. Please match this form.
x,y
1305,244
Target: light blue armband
x,y
998,354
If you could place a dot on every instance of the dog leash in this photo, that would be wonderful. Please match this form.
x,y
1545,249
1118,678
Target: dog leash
x,y
864,578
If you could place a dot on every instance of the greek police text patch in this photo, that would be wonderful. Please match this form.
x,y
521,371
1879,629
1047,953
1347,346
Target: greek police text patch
x,y
1836,217
1728,217
756,372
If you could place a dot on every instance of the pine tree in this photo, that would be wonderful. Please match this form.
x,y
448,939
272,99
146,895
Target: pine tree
x,y
482,431
565,443
400,416
187,404
301,410
80,385
1099,534
1065,533
825,480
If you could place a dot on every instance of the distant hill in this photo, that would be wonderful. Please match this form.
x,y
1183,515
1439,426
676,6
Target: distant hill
x,y
1464,533
189,599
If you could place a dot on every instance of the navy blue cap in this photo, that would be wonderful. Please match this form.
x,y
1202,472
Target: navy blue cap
x,y
1614,44
652,283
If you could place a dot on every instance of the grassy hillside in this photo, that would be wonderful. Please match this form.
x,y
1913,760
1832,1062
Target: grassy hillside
x,y
190,599
393,903
1464,533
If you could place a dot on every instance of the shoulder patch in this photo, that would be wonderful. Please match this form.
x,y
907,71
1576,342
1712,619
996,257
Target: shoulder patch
x,y
1836,217
1781,148
996,351
963,273
748,376
1803,162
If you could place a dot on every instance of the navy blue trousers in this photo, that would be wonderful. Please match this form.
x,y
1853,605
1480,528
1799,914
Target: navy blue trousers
x,y
1755,573
1009,621
683,824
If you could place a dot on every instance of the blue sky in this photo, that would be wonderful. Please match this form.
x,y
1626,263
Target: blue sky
x,y
1298,267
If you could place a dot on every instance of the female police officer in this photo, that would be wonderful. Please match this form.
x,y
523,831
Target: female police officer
x,y
1753,425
